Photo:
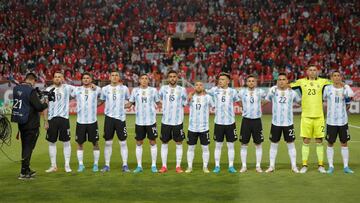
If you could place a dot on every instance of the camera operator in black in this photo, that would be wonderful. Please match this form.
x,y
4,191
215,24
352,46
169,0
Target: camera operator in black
x,y
25,112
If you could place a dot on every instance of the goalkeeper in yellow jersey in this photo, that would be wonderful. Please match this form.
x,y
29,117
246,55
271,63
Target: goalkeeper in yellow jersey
x,y
312,116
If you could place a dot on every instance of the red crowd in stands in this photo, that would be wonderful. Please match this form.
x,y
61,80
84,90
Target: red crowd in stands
x,y
236,36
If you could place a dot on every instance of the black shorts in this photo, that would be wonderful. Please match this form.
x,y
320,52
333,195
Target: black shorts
x,y
87,132
193,138
142,130
220,131
332,132
288,131
111,125
251,127
58,128
174,132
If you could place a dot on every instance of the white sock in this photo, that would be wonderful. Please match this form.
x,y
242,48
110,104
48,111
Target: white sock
x,y
67,152
179,153
153,149
205,155
345,156
52,153
139,150
231,153
217,155
190,155
124,152
243,155
96,153
258,155
164,153
273,153
108,152
330,156
292,154
80,156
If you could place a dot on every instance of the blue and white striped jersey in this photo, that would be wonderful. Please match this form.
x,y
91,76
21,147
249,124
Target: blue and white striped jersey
x,y
115,98
224,104
173,102
145,105
60,107
282,105
336,104
251,102
86,104
199,112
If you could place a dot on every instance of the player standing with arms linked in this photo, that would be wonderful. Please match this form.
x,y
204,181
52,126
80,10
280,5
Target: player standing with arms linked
x,y
56,119
312,116
173,99
200,105
251,101
145,99
224,98
282,99
115,96
337,97
86,123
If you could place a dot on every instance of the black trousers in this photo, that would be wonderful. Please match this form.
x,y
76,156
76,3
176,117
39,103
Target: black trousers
x,y
28,142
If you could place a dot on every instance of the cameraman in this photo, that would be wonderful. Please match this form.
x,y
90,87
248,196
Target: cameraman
x,y
25,112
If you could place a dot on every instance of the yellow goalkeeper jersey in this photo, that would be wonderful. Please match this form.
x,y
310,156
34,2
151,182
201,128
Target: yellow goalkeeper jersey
x,y
312,96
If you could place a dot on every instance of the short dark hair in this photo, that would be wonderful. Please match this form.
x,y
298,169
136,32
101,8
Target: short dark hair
x,y
282,73
225,74
311,65
31,76
142,74
172,71
335,71
86,73
197,80
59,72
115,71
250,76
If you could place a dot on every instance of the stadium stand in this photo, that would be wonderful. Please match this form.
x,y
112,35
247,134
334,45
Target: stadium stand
x,y
238,36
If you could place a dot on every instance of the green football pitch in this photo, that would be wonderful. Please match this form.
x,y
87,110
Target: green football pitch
x,y
115,186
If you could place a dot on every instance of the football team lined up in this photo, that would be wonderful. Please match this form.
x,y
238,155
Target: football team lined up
x,y
172,98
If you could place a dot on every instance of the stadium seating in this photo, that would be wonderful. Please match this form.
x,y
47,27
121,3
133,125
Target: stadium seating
x,y
241,37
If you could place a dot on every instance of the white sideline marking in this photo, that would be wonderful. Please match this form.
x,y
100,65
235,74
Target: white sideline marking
x,y
354,126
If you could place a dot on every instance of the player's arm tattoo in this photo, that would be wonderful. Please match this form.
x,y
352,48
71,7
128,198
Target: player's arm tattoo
x,y
159,104
129,104
263,102
100,102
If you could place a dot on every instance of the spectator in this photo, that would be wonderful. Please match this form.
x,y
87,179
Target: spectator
x,y
247,36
